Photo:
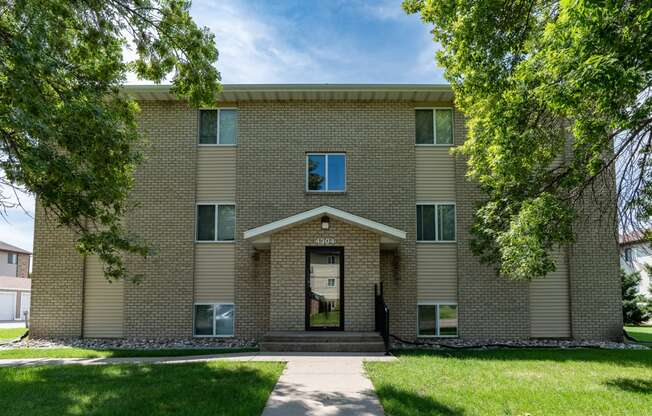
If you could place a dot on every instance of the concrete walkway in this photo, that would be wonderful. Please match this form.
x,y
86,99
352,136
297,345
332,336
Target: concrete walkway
x,y
332,384
325,385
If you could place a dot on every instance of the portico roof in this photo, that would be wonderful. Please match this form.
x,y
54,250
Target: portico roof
x,y
260,236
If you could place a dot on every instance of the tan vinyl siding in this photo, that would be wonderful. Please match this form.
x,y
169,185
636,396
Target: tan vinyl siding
x,y
435,174
437,272
214,272
103,303
216,173
549,303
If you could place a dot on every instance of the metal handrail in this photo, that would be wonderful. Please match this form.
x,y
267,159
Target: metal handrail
x,y
382,315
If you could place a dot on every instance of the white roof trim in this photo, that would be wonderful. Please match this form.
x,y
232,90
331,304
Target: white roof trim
x,y
293,220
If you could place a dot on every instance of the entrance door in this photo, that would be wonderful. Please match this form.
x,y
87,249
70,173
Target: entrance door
x,y
325,288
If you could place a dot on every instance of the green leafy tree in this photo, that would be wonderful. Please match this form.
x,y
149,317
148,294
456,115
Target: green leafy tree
x,y
635,305
529,75
67,134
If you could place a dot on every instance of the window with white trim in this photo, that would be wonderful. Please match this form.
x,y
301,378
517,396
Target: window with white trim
x,y
214,319
437,320
12,258
332,260
331,283
326,172
436,222
434,126
215,222
218,126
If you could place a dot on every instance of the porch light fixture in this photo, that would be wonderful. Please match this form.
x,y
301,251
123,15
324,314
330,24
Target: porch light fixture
x,y
325,223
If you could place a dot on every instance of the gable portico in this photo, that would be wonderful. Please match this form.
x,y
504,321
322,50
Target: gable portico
x,y
287,240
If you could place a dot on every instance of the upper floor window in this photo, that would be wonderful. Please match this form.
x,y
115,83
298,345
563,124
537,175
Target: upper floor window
x,y
215,222
12,258
326,172
434,126
331,283
218,126
436,222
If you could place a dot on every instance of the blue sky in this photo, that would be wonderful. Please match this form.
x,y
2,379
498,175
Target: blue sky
x,y
299,41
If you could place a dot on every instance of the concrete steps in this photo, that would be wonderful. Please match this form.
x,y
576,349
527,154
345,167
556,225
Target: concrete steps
x,y
322,341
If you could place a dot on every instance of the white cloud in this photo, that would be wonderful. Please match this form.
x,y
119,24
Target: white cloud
x,y
17,223
252,50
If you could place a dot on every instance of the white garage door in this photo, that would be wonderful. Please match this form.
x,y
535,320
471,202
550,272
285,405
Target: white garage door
x,y
7,306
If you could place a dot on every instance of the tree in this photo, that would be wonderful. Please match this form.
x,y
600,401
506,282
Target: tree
x,y
529,75
67,134
635,305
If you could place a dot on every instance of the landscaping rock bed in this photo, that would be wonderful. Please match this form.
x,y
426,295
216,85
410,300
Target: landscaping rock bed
x,y
486,344
134,343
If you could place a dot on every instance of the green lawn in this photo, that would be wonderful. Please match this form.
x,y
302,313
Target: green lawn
x,y
640,333
331,318
11,333
211,388
516,382
92,353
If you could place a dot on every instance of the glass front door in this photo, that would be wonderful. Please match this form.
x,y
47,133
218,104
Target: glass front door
x,y
324,288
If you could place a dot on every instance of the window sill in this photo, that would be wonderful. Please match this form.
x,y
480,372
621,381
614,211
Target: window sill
x,y
213,336
437,336
436,242
216,145
435,145
215,242
325,192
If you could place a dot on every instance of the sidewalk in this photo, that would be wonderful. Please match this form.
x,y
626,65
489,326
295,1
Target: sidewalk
x,y
311,384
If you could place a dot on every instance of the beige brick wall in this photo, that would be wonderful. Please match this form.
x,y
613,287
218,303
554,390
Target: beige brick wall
x,y
163,214
596,303
490,306
23,266
57,280
273,138
288,274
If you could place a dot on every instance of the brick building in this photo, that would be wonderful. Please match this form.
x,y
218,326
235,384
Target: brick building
x,y
280,210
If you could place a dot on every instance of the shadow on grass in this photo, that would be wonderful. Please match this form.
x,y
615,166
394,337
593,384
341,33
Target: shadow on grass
x,y
624,358
634,385
166,389
404,403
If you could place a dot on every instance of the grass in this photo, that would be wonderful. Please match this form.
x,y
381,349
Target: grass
x,y
11,333
640,333
516,382
210,388
96,353
331,318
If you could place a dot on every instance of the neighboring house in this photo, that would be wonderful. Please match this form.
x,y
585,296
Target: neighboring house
x,y
280,210
15,284
635,254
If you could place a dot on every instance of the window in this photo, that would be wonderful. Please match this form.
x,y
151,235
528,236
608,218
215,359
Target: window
x,y
331,282
326,172
332,260
214,320
215,222
218,127
436,222
12,258
437,320
434,126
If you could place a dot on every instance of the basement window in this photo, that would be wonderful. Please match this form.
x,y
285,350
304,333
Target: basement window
x,y
437,320
434,126
218,127
214,320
